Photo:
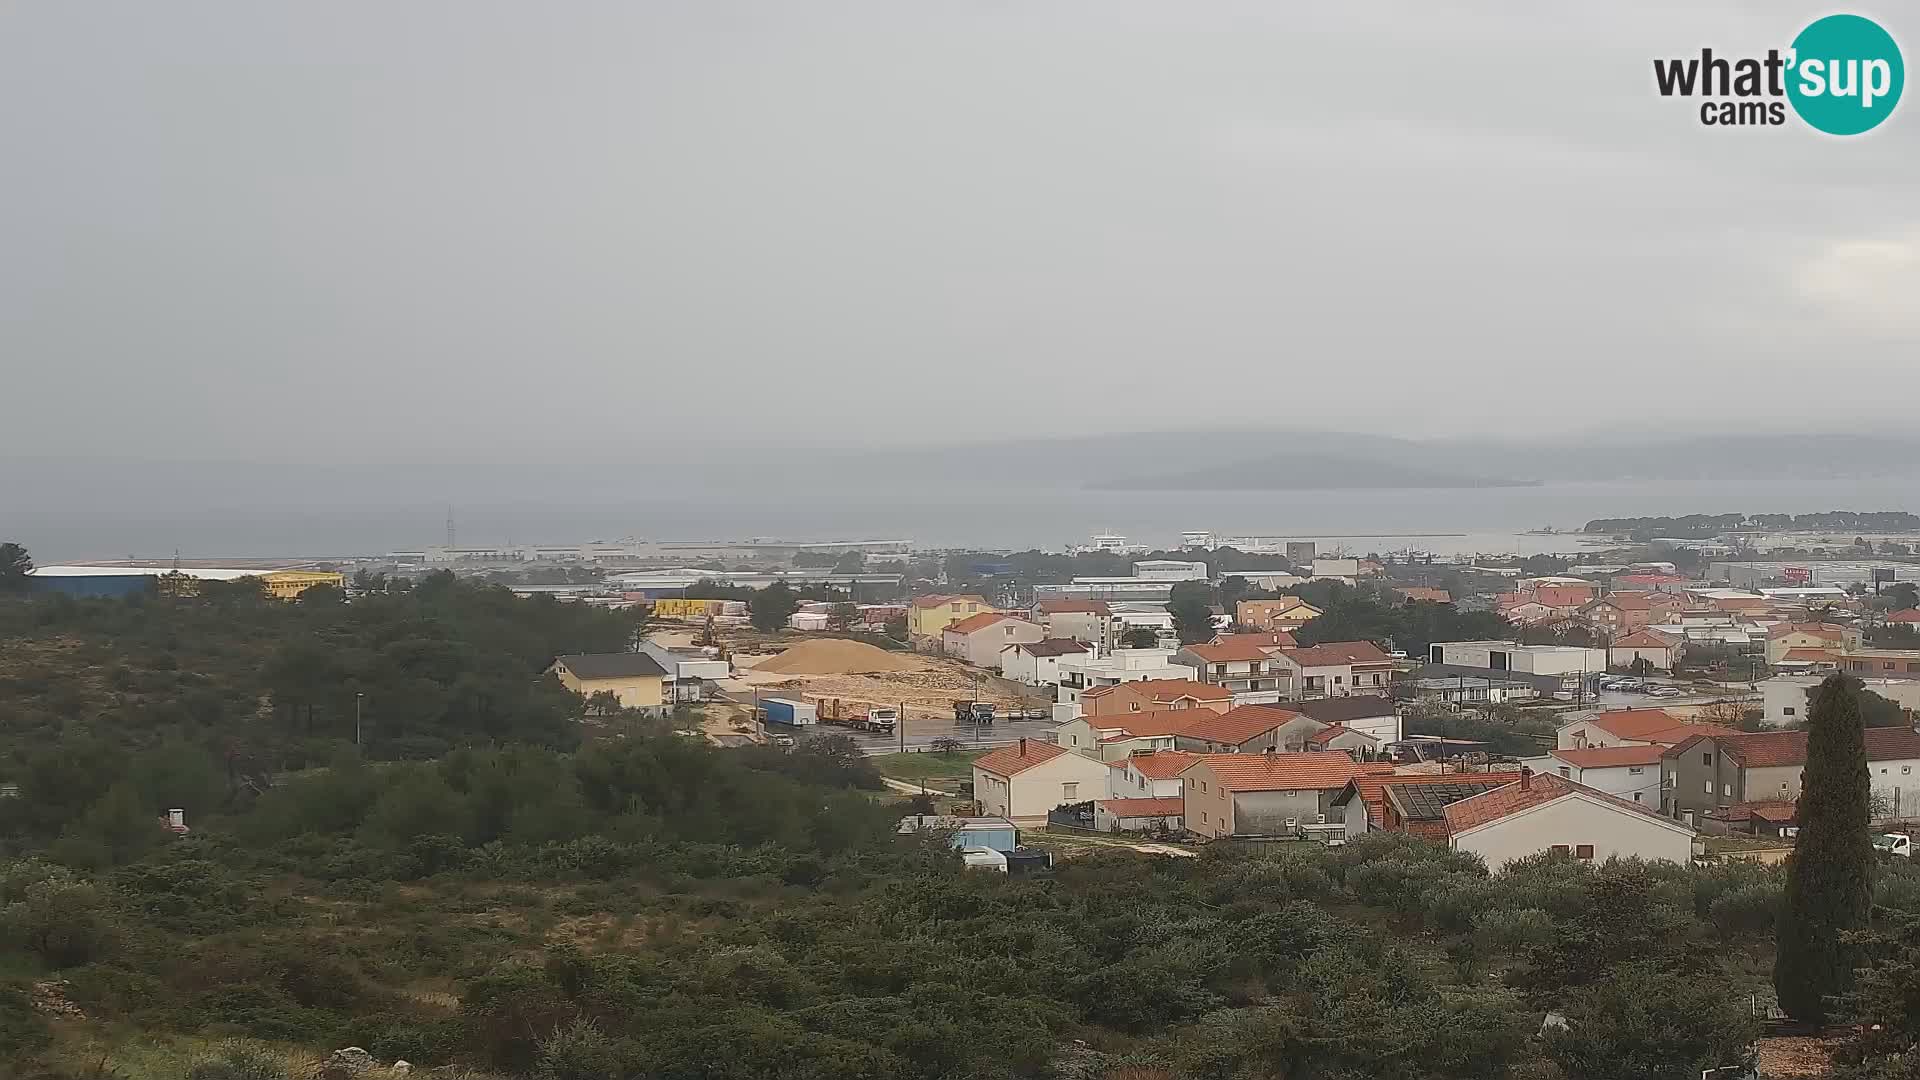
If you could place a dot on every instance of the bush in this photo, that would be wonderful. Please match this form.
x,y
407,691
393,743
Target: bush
x,y
236,1060
61,920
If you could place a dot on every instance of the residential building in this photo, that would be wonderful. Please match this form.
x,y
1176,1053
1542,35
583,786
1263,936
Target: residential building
x,y
1337,569
1709,772
635,679
1285,614
1631,772
1089,622
1904,617
927,616
1549,813
1423,594
1652,646
1784,697
1341,739
1244,664
1139,815
1037,663
1369,714
1262,794
1148,695
1119,736
1512,656
1621,613
1082,675
1148,774
1414,804
687,675
1025,780
978,639
1881,663
1828,637
1483,686
1247,729
1735,601
1631,727
1337,668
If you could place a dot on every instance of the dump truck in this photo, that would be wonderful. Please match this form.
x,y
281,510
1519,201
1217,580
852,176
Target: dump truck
x,y
879,719
973,712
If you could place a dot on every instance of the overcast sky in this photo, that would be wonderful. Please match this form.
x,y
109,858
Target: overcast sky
x,y
466,231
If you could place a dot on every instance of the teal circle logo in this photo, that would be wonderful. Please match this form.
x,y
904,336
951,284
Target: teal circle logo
x,y
1846,74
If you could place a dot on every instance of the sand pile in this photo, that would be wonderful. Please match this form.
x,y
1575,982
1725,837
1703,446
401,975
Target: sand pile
x,y
836,656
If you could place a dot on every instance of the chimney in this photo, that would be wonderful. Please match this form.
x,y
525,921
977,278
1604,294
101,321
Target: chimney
x,y
1526,778
1023,746
1269,753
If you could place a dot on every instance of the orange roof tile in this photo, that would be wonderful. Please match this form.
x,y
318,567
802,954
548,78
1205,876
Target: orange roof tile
x,y
1279,772
1019,757
1169,806
1633,723
1905,615
1231,650
1372,786
1624,601
1525,794
976,622
1167,690
1271,639
1811,656
1774,749
1824,630
1141,725
1237,725
1608,757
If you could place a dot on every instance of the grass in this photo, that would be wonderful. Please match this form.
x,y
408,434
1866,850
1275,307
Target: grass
x,y
929,766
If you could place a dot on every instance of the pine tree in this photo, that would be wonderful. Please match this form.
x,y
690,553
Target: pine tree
x,y
1828,889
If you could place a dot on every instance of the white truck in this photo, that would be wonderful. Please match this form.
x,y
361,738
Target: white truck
x,y
1894,843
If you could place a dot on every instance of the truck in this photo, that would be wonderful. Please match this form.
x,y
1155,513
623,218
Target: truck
x,y
879,719
786,712
972,712
1894,843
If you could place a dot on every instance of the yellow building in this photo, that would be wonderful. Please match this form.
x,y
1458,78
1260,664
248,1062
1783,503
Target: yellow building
x,y
929,616
636,680
287,584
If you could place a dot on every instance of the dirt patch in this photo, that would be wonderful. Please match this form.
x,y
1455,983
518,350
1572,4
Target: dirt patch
x,y
837,656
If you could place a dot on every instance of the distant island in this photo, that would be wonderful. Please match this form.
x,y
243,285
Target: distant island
x,y
1694,526
1304,472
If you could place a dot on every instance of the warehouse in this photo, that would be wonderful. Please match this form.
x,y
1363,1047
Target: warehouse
x,y
122,581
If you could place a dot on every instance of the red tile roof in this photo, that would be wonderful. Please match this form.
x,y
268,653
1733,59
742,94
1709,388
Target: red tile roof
x,y
976,622
1625,601
1609,757
1824,630
1140,725
1421,592
1633,723
1563,596
937,599
1018,758
1335,653
1169,806
1779,811
1167,690
1905,615
1066,607
1279,772
1776,749
1237,725
1271,639
1159,764
1525,794
1812,656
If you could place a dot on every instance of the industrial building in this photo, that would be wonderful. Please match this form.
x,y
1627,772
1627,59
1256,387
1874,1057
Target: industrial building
x,y
122,581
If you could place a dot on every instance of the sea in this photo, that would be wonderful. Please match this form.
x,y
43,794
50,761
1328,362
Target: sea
x,y
318,522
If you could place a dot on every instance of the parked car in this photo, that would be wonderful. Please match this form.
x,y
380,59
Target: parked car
x,y
1665,691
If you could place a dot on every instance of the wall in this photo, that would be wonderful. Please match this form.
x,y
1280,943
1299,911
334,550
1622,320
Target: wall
x,y
637,692
1032,793
1265,813
1572,820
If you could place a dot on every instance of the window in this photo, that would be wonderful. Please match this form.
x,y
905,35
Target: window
x,y
1584,851
1561,849
1906,770
1292,824
1636,796
1069,791
1726,790
1788,710
1706,759
1203,817
1635,770
1707,786
1566,772
1337,679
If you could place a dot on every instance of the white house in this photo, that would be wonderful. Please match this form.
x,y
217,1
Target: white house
x,y
1338,668
1148,775
1037,663
1548,813
1512,656
1369,714
978,639
1631,772
1243,664
1023,781
1084,672
1784,697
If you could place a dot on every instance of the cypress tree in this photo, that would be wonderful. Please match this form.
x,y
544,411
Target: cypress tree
x,y
1828,889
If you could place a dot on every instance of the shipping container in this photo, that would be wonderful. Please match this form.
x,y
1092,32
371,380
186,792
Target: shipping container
x,y
789,713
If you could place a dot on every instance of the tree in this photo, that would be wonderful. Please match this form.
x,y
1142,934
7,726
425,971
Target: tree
x,y
946,744
1140,637
771,607
1829,891
1901,595
850,563
1191,603
1641,1023
14,567
897,628
842,616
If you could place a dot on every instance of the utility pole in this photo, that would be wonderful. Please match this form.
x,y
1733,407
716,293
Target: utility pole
x,y
357,698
